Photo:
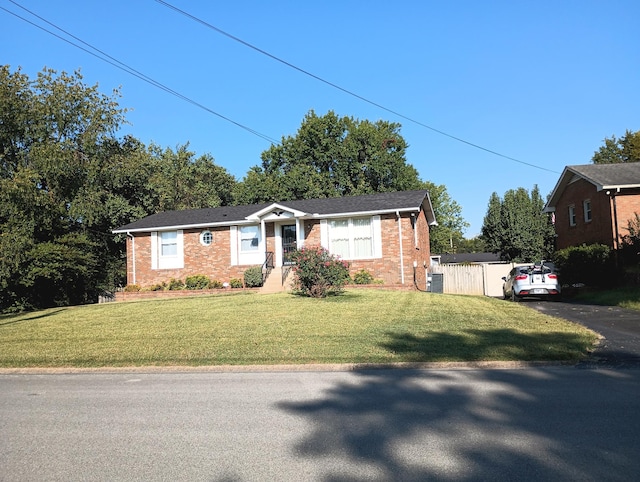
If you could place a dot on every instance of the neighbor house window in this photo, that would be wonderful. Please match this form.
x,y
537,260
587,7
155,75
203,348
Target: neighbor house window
x,y
352,238
249,238
587,210
167,250
572,215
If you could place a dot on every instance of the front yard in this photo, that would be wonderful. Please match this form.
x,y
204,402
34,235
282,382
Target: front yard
x,y
361,326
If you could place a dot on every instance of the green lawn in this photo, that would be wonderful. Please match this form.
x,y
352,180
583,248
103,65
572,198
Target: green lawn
x,y
361,326
624,297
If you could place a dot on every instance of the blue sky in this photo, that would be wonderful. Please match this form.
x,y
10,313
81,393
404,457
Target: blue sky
x,y
542,82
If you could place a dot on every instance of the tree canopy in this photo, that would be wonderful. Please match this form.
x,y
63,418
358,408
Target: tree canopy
x,y
516,228
447,236
331,156
619,150
66,181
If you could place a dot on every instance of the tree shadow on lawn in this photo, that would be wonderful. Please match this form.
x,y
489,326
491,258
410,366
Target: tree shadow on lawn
x,y
488,345
11,319
527,424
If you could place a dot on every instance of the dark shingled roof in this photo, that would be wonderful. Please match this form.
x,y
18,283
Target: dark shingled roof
x,y
372,203
610,176
602,176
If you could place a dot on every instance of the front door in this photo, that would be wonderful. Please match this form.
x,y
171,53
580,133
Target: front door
x,y
289,244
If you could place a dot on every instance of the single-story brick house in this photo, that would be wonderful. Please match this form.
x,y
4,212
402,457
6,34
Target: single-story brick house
x,y
387,234
593,203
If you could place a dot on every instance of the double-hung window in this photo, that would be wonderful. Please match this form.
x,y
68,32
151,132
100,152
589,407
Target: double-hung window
x,y
167,250
168,244
586,206
353,238
572,215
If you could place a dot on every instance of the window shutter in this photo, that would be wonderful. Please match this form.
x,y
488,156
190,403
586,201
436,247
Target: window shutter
x,y
154,250
233,242
377,237
324,234
180,246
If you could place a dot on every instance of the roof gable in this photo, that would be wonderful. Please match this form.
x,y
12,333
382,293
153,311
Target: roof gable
x,y
602,176
403,201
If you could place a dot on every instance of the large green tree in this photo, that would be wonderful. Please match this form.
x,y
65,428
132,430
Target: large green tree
x,y
67,180
334,156
516,227
331,156
50,128
448,234
618,150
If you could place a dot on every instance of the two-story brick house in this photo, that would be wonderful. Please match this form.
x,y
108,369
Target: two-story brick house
x,y
594,203
387,234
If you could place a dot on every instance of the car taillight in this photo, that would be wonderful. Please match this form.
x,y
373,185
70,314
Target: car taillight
x,y
552,276
522,276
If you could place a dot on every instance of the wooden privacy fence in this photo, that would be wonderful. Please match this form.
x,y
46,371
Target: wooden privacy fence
x,y
473,279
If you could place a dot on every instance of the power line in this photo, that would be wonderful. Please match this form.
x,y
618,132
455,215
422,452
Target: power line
x,y
126,68
346,91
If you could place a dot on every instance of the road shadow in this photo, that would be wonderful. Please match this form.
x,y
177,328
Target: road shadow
x,y
468,425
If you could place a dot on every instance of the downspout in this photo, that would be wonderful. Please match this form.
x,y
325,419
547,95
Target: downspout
x,y
616,240
401,250
133,256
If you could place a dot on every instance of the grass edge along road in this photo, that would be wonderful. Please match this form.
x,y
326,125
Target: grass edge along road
x,y
360,326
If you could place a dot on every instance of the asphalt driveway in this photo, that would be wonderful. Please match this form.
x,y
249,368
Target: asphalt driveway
x,y
619,327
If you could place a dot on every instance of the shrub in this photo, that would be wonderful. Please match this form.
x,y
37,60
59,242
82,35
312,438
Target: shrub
x,y
197,282
175,284
235,283
363,277
592,265
215,284
132,288
253,277
158,287
318,273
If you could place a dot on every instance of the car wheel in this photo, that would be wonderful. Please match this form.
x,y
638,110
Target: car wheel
x,y
514,297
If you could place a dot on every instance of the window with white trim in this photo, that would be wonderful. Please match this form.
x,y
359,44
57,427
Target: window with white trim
x,y
351,238
249,238
168,244
167,250
572,215
586,205
206,238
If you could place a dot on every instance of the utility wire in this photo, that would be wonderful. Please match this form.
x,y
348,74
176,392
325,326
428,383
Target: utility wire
x,y
130,70
346,91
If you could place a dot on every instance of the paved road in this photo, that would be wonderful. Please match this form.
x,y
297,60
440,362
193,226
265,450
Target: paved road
x,y
552,423
620,328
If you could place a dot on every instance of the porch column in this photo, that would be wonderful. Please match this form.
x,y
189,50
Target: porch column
x,y
263,235
299,233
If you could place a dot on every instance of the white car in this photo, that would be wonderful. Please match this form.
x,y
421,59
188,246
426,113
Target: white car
x,y
536,280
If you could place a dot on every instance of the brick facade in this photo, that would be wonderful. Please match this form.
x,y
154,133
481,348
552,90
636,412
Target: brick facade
x,y
607,212
411,239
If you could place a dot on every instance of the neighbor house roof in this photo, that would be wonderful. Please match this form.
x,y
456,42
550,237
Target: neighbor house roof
x,y
602,176
381,203
468,258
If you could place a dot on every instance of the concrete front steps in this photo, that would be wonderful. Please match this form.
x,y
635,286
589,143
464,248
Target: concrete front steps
x,y
274,284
